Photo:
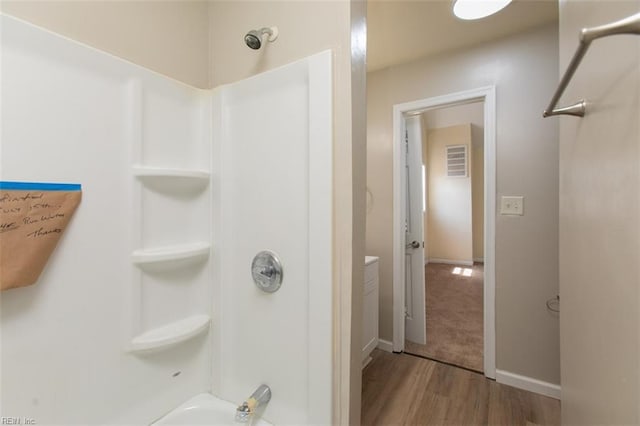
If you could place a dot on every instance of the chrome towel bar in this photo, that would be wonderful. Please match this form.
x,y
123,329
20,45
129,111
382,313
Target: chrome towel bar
x,y
630,25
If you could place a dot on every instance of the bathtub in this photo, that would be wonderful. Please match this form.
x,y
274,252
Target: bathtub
x,y
205,409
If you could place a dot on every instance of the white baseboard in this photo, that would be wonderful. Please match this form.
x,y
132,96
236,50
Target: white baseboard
x,y
369,348
385,345
366,362
529,384
478,259
452,262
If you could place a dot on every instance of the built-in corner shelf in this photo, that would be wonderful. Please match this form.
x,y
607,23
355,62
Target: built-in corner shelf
x,y
162,174
171,334
192,251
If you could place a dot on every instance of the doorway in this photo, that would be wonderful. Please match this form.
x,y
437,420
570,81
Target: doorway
x,y
451,210
462,268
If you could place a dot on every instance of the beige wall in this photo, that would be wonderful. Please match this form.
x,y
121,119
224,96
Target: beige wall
x,y
169,37
305,28
458,114
358,144
468,113
524,69
600,222
449,199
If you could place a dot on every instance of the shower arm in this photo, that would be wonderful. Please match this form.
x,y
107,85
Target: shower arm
x,y
271,32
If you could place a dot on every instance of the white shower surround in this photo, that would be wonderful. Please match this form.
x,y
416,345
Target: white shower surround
x,y
120,313
274,191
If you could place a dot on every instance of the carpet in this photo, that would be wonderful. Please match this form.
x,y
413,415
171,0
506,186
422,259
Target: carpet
x,y
455,310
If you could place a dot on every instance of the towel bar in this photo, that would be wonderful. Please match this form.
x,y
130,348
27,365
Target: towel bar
x,y
630,25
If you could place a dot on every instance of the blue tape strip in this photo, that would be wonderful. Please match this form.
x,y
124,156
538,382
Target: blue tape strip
x,y
39,186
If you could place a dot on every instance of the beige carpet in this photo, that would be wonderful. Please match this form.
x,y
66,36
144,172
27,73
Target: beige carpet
x,y
454,317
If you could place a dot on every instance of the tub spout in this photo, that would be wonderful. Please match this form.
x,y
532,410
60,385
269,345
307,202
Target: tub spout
x,y
258,398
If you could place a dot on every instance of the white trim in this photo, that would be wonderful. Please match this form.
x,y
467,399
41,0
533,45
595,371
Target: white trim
x,y
398,230
529,384
490,123
320,204
366,362
369,347
385,345
451,262
488,95
478,259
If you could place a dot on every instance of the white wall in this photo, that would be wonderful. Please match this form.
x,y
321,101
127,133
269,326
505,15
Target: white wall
x,y
449,218
74,114
524,70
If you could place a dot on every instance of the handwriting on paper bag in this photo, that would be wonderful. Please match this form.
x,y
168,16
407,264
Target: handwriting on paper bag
x,y
8,226
32,208
41,232
8,198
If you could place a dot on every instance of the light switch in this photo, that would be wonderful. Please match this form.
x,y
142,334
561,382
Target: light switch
x,y
510,205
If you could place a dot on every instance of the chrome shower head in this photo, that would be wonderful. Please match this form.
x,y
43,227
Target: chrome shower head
x,y
253,38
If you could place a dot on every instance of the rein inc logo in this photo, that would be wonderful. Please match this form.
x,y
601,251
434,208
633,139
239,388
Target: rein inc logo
x,y
17,421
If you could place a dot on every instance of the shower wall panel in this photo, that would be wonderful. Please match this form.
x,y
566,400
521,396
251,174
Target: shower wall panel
x,y
181,188
273,155
139,143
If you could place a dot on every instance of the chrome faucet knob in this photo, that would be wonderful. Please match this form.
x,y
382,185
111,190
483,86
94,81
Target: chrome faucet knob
x,y
266,271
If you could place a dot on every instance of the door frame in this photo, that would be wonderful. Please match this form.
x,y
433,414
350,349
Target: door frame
x,y
488,96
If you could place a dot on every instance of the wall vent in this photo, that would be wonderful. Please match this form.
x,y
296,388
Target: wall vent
x,y
456,160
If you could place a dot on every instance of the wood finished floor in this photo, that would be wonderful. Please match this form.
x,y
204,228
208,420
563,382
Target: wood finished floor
x,y
402,389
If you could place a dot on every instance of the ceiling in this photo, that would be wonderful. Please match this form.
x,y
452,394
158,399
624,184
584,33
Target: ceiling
x,y
400,31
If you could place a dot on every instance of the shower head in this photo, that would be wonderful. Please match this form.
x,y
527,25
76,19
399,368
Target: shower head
x,y
253,38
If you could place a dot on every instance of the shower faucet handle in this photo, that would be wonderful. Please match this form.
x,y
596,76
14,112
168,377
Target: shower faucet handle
x,y
267,271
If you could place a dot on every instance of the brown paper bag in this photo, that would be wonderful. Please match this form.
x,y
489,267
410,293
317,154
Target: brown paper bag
x,y
33,217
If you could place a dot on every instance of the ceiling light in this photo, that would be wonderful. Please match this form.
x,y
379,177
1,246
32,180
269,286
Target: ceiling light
x,y
476,9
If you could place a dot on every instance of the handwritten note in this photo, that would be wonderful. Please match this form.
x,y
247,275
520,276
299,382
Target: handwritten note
x,y
32,219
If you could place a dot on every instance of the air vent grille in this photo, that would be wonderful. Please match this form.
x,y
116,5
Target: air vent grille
x,y
457,161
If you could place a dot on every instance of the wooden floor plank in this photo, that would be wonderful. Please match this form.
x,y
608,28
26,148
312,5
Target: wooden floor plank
x,y
400,389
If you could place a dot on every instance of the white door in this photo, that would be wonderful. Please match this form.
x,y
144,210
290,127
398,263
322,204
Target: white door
x,y
599,221
415,320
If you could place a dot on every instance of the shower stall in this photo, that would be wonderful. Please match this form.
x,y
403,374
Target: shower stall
x,y
149,297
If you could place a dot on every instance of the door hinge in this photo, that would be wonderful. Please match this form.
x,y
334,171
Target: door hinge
x,y
406,312
406,145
